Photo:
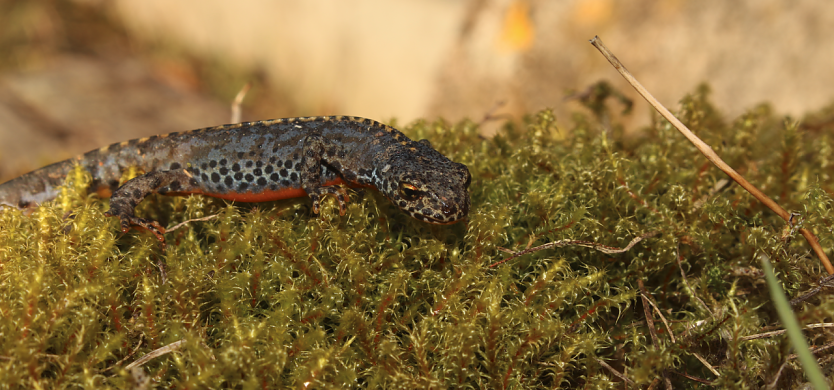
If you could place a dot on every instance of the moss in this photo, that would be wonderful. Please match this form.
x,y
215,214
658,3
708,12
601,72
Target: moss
x,y
267,296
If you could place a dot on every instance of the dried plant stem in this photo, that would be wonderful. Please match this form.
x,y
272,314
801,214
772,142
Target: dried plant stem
x,y
615,372
823,283
706,364
119,363
783,331
650,322
707,151
692,377
236,104
588,244
775,381
813,350
648,299
183,223
175,346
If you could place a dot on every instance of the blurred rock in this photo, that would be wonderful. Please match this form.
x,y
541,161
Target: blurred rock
x,y
75,104
416,58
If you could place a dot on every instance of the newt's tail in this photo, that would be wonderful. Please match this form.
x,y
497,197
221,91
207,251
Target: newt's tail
x,y
35,187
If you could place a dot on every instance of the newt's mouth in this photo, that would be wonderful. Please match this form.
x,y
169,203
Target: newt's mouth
x,y
439,212
453,219
449,214
444,222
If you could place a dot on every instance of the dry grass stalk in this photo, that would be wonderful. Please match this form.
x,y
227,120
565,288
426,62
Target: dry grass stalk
x,y
707,151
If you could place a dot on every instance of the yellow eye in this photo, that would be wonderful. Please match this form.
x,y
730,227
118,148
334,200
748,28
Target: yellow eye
x,y
410,192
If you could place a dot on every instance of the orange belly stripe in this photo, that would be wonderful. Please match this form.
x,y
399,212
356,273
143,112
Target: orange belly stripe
x,y
263,196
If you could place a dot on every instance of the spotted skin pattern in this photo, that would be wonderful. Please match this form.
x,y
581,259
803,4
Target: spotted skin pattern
x,y
263,161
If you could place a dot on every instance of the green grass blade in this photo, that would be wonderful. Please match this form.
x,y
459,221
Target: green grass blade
x,y
783,308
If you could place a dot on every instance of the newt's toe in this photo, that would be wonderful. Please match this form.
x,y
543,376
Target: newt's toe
x,y
126,222
337,191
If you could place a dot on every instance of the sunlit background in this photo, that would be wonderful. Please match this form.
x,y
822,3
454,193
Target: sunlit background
x,y
75,75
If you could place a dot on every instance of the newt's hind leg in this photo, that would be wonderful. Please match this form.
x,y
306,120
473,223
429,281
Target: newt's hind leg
x,y
124,200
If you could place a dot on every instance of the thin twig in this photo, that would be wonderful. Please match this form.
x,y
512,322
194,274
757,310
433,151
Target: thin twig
x,y
814,350
662,318
772,384
648,298
490,115
650,322
183,223
236,110
707,151
119,363
615,372
173,347
648,314
587,244
691,377
814,291
706,364
782,331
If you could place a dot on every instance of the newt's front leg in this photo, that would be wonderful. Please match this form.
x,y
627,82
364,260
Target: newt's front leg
x,y
124,200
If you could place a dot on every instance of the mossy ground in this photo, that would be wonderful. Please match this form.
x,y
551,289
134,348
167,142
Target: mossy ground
x,y
268,296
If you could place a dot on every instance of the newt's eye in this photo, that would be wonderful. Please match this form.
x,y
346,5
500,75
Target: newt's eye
x,y
410,192
468,180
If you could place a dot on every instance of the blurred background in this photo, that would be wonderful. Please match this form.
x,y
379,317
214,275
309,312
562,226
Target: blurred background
x,y
79,74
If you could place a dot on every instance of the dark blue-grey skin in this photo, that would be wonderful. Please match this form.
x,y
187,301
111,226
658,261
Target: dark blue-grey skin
x,y
266,160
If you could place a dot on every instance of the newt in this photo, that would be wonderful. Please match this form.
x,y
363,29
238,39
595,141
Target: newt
x,y
264,161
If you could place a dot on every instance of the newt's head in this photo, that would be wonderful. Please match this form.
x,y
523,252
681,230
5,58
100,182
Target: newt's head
x,y
424,183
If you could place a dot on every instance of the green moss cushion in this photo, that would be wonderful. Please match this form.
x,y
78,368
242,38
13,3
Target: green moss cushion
x,y
268,296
